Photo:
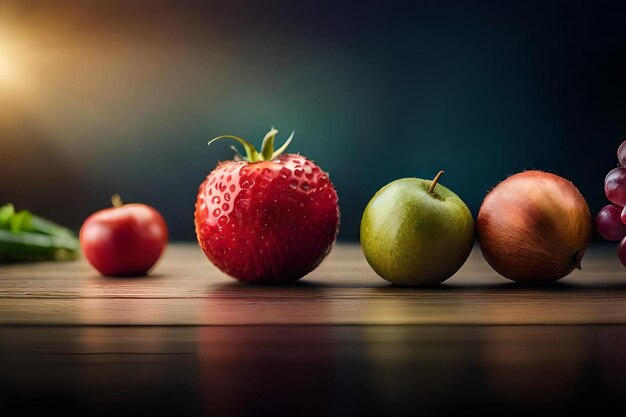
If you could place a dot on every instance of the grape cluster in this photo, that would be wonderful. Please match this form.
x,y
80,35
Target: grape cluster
x,y
611,219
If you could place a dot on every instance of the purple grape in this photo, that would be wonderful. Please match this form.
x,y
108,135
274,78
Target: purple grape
x,y
621,154
621,251
609,223
624,215
615,186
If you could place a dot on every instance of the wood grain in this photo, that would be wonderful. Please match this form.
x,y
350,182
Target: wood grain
x,y
185,289
189,341
312,371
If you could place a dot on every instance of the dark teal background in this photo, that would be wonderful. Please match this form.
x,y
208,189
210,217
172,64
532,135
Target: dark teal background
x,y
375,91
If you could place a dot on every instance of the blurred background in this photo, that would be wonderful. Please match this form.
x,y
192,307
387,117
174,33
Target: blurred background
x,y
102,97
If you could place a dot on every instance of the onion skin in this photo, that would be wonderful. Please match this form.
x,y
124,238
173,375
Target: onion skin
x,y
534,227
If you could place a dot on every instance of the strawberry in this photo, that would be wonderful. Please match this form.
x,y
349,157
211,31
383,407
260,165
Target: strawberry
x,y
266,217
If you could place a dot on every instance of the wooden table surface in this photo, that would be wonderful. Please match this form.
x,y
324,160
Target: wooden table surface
x,y
188,340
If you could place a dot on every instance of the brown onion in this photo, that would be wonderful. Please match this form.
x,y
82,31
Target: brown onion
x,y
534,227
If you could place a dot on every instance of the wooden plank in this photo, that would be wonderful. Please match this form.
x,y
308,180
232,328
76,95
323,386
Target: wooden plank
x,y
185,272
320,307
187,290
324,370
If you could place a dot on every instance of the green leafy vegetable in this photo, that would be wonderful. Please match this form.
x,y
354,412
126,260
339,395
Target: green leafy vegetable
x,y
27,237
20,221
6,212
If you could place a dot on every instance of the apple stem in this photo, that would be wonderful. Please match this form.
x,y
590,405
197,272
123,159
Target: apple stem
x,y
433,184
116,200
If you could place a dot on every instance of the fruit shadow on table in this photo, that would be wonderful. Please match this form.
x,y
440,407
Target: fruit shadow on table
x,y
305,286
509,286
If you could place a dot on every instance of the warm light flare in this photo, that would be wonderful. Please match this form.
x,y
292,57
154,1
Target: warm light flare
x,y
10,73
8,66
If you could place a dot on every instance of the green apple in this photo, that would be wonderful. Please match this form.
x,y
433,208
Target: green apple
x,y
416,232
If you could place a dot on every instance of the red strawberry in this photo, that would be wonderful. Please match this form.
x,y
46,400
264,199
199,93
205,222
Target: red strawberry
x,y
266,217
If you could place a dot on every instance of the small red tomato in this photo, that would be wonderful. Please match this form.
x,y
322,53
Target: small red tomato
x,y
266,218
123,240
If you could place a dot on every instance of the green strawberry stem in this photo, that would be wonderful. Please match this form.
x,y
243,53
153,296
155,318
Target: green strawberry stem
x,y
267,147
433,184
